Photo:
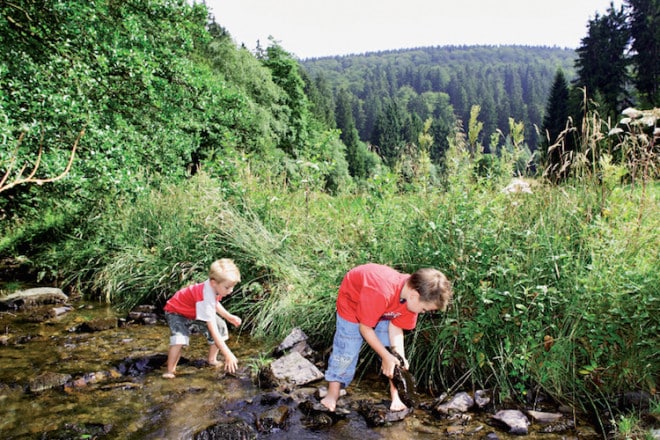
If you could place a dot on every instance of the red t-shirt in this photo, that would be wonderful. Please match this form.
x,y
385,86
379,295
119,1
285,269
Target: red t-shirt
x,y
370,293
194,302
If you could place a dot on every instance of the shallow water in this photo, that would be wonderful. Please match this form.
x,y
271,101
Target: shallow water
x,y
148,406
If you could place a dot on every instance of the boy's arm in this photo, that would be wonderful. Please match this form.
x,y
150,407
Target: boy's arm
x,y
224,314
231,362
389,360
396,342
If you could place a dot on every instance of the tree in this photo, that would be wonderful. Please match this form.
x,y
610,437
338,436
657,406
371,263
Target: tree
x,y
349,135
320,97
286,74
388,133
644,22
602,63
555,121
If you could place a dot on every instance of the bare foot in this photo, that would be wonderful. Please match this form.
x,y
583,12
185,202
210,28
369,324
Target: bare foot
x,y
397,405
329,403
214,363
169,375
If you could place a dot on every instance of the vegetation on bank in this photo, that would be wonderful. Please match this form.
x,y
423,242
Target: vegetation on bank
x,y
188,149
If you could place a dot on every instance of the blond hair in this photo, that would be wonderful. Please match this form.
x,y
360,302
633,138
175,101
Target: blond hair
x,y
224,269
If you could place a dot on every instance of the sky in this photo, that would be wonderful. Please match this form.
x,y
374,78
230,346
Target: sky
x,y
318,28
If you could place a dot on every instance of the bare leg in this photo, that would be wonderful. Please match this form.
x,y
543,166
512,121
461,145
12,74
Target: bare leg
x,y
213,355
173,356
330,400
397,404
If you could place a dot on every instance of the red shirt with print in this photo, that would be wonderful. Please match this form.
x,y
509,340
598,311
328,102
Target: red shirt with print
x,y
370,293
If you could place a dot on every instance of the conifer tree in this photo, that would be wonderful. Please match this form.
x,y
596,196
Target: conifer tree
x,y
349,134
555,122
387,134
602,63
644,22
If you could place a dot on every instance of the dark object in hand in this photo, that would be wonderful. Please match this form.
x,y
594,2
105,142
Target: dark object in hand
x,y
404,382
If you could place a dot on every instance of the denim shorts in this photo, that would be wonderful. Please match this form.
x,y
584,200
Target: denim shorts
x,y
346,349
181,327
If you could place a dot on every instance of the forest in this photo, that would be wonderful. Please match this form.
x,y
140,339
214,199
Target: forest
x,y
140,143
443,83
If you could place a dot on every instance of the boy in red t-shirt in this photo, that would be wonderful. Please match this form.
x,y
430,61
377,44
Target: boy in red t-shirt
x,y
199,305
376,304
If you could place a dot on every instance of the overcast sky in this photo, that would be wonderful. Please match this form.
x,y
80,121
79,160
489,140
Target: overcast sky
x,y
316,28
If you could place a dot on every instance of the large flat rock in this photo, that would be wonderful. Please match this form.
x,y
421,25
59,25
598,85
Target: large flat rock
x,y
294,368
28,298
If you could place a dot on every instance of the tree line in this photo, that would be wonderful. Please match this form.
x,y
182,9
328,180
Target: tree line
x,y
383,98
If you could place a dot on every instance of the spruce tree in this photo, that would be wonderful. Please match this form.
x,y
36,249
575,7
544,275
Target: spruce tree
x,y
644,21
555,122
349,134
602,63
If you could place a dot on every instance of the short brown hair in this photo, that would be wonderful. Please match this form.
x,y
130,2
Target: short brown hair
x,y
432,286
224,269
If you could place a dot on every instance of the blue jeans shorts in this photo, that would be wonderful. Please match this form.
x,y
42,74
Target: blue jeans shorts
x,y
181,327
346,349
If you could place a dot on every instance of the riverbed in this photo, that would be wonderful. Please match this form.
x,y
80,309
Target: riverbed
x,y
102,400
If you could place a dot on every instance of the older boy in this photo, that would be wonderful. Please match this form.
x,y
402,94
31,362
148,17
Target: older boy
x,y
376,304
200,306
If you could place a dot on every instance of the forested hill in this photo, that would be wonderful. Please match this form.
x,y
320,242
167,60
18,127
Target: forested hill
x,y
506,81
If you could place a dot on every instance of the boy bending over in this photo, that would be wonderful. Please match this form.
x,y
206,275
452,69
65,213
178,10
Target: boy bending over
x,y
199,305
376,304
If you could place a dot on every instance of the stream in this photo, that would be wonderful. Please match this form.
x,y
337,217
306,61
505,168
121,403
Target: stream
x,y
101,400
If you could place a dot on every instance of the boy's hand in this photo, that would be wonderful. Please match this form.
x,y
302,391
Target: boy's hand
x,y
403,362
231,363
389,362
234,320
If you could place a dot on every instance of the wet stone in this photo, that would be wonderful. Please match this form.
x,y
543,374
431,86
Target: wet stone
x,y
274,418
377,414
232,429
144,318
141,365
317,416
558,427
97,325
295,369
461,402
270,398
544,417
294,338
47,381
481,398
515,420
29,298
